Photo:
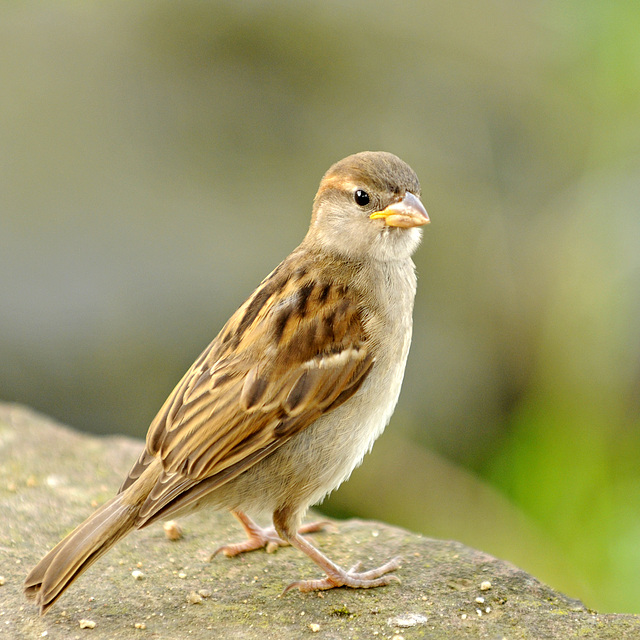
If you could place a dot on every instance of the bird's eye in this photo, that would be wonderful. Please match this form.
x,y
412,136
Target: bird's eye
x,y
361,197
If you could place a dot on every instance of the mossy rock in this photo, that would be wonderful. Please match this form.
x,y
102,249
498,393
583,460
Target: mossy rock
x,y
52,477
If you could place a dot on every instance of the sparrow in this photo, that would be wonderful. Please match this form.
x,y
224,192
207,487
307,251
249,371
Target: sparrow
x,y
289,397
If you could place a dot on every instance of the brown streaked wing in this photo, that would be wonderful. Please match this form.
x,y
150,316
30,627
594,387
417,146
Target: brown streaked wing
x,y
293,351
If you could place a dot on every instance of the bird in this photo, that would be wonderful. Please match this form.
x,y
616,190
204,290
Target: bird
x,y
292,393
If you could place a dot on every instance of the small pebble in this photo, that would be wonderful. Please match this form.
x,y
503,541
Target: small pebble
x,y
172,530
408,620
205,593
87,624
140,625
314,627
182,575
485,586
53,481
480,600
464,616
194,598
136,574
2,580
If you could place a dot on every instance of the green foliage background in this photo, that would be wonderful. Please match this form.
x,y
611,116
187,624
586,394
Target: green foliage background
x,y
159,158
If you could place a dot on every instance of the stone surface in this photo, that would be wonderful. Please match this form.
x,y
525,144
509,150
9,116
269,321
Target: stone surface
x,y
52,477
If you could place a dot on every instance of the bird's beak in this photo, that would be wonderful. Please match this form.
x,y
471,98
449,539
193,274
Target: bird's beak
x,y
408,212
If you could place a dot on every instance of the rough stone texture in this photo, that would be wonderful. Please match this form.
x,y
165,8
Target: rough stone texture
x,y
51,477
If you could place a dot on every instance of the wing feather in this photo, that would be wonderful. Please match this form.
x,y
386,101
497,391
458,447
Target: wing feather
x,y
295,350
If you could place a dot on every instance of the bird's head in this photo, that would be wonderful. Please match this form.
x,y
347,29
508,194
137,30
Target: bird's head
x,y
369,205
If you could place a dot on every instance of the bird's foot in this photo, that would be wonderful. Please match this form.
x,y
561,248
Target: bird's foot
x,y
354,578
265,538
262,537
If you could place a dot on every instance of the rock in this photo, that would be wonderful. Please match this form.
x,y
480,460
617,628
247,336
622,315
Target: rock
x,y
52,477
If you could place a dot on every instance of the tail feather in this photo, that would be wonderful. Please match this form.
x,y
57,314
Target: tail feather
x,y
48,580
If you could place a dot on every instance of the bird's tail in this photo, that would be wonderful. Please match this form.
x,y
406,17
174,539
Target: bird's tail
x,y
48,580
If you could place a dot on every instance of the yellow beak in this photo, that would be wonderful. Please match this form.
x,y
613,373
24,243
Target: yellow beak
x,y
408,212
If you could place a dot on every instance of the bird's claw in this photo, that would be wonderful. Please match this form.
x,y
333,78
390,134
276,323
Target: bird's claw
x,y
353,578
266,538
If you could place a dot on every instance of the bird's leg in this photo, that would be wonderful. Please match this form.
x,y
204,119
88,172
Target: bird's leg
x,y
259,537
336,575
339,577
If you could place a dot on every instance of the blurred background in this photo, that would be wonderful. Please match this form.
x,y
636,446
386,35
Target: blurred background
x,y
158,159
